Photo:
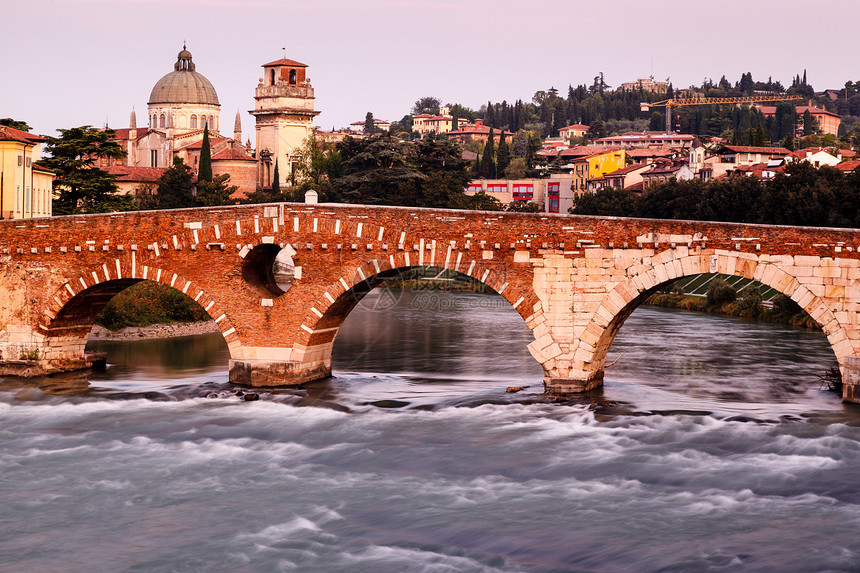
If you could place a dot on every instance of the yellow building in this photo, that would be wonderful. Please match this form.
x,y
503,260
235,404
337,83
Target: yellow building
x,y
595,165
25,188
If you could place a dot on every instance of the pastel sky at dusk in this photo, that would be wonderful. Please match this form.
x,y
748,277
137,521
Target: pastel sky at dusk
x,y
75,62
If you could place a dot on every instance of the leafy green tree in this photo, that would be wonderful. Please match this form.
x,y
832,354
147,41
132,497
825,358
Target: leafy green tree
x,y
15,124
427,105
204,171
215,192
605,202
516,169
176,186
480,201
720,293
80,186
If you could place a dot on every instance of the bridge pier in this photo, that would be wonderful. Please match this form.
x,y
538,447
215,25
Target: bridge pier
x,y
851,379
572,386
260,373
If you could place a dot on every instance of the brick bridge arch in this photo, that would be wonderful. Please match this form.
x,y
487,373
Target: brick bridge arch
x,y
573,279
70,314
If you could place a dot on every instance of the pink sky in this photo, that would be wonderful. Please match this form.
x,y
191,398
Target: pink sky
x,y
77,62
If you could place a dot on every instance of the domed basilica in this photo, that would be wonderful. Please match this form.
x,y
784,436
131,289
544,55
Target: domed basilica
x,y
184,102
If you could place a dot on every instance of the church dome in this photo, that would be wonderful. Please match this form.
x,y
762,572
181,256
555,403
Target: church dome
x,y
184,85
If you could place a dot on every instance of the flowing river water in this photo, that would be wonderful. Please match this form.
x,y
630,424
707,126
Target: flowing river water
x,y
710,448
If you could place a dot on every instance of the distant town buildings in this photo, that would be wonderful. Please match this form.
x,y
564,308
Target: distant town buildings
x,y
184,102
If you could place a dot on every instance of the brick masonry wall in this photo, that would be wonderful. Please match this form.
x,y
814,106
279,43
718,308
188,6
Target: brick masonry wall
x,y
573,279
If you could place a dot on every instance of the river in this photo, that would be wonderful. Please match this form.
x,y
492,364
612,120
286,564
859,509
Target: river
x,y
710,448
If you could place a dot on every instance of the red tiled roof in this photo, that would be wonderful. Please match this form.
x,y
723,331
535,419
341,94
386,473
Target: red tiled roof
x,y
846,153
576,126
814,110
661,170
37,167
12,134
636,186
483,129
199,144
849,166
751,149
285,62
135,174
232,154
122,133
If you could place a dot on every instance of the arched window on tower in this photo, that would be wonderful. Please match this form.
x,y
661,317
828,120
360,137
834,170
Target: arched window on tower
x,y
211,122
193,122
162,120
203,122
293,77
154,123
272,74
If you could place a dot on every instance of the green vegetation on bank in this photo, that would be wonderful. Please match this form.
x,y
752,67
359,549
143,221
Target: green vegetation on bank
x,y
148,303
722,298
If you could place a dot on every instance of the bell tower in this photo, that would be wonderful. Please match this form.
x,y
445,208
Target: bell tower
x,y
284,108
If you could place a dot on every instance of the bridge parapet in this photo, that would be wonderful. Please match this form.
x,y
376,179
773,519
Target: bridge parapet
x,y
574,280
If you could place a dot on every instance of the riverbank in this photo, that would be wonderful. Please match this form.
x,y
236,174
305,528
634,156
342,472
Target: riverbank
x,y
165,330
784,313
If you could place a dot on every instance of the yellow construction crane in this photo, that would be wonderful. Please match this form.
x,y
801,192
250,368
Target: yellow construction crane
x,y
678,101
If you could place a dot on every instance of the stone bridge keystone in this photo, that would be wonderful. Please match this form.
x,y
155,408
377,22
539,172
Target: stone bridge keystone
x,y
574,280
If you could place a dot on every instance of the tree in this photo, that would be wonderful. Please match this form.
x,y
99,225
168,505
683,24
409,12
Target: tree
x,y
215,192
15,124
369,124
276,179
80,186
503,155
488,165
427,105
176,186
204,171
810,125
516,169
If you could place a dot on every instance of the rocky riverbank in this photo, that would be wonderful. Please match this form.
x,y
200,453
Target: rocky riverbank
x,y
169,330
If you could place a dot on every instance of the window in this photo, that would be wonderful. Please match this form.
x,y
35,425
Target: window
x,y
497,188
552,191
293,77
474,187
161,123
193,121
523,192
211,123
153,158
20,160
30,162
272,77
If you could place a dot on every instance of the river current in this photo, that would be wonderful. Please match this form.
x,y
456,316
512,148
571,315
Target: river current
x,y
711,447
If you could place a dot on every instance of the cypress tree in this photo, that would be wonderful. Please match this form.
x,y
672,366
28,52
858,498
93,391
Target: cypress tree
x,y
488,166
503,156
204,173
490,116
276,180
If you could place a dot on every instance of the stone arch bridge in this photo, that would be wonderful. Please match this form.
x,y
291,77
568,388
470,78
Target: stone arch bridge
x,y
573,279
